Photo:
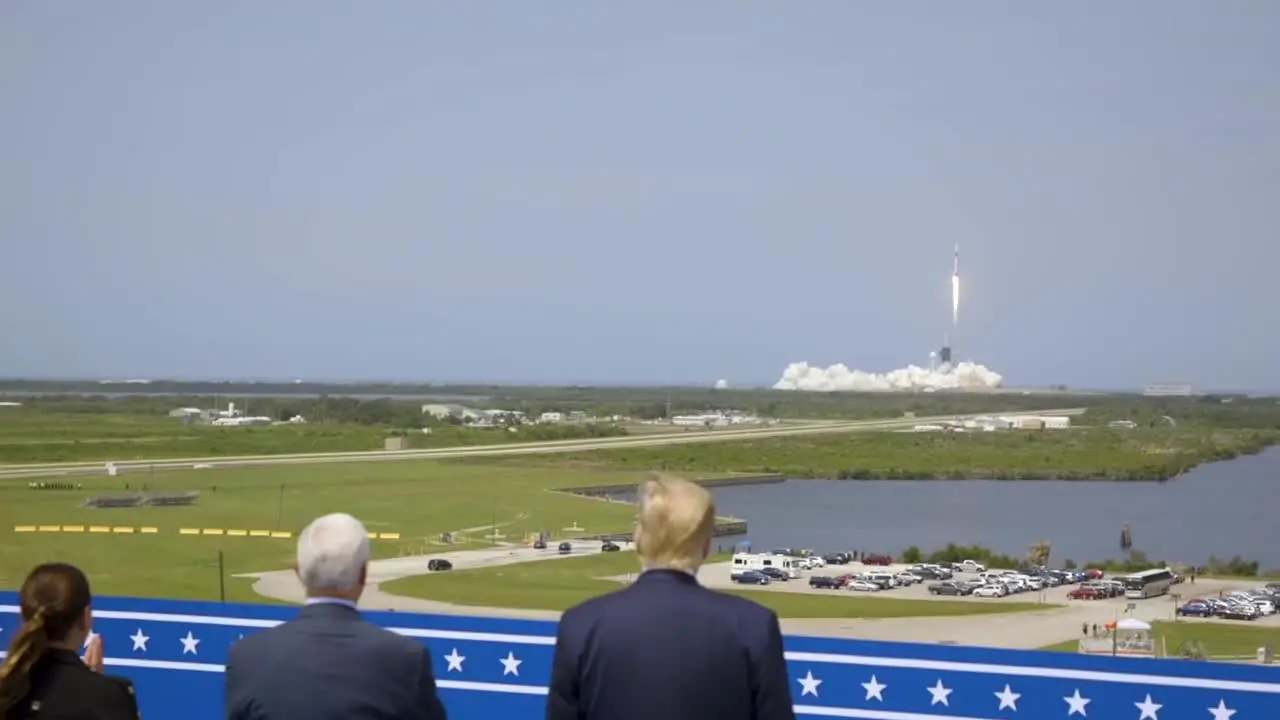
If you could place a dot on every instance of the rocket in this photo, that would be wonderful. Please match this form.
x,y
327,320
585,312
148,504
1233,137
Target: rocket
x,y
955,288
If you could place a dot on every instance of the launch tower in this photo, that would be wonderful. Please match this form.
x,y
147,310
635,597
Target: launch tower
x,y
944,354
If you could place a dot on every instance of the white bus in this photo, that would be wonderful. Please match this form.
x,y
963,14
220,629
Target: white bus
x,y
1148,583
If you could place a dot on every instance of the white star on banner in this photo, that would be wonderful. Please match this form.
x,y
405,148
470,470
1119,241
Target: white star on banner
x,y
874,689
1076,703
454,660
189,643
1222,712
939,694
510,665
1148,708
1008,699
809,684
139,640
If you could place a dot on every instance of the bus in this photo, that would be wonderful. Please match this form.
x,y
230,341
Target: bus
x,y
1148,583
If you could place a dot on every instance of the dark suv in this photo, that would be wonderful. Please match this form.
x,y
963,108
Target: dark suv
x,y
439,564
819,581
609,546
565,548
947,588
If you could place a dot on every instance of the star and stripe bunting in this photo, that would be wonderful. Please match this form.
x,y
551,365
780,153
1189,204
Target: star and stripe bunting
x,y
511,661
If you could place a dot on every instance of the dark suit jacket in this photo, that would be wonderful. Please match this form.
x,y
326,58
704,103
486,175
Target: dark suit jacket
x,y
667,648
64,688
330,664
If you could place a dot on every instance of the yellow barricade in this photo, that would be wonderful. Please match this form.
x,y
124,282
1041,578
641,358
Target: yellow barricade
x,y
122,530
24,528
211,531
281,534
188,531
388,536
49,528
149,530
237,533
259,533
72,528
99,528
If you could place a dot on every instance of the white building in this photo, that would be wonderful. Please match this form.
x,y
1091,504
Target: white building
x,y
1168,390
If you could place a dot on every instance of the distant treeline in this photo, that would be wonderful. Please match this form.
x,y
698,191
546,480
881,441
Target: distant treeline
x,y
400,405
1134,561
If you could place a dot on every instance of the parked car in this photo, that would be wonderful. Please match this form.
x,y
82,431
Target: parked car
x,y
565,548
776,573
1196,608
751,577
907,579
972,566
439,564
836,558
609,546
1093,574
862,586
820,581
875,559
990,591
1086,592
1239,612
948,588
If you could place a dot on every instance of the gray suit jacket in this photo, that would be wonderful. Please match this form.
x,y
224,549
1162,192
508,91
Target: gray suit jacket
x,y
330,664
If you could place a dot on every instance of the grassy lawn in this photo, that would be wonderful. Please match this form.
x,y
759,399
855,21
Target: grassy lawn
x,y
1219,639
418,499
560,584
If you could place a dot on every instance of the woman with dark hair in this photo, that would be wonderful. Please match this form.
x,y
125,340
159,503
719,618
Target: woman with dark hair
x,y
43,675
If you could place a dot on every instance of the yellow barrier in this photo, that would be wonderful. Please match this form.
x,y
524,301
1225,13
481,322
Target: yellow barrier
x,y
128,530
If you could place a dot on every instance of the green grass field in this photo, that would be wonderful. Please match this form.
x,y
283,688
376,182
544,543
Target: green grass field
x,y
560,584
417,499
1219,639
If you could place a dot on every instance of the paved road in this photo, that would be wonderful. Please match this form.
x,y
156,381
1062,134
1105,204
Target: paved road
x,y
532,448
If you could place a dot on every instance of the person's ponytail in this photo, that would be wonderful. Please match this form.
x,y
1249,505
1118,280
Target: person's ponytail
x,y
28,646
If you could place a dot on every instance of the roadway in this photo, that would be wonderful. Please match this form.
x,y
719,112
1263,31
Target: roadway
x,y
530,448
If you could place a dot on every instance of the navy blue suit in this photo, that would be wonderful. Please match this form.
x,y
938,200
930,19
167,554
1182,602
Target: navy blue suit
x,y
667,648
330,664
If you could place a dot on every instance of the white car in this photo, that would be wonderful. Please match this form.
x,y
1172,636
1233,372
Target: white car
x,y
816,562
970,566
906,579
990,591
862,586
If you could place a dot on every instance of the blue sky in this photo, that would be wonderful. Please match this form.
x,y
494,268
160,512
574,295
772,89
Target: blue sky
x,y
649,192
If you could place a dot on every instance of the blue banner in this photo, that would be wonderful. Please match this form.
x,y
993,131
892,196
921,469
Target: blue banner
x,y
175,653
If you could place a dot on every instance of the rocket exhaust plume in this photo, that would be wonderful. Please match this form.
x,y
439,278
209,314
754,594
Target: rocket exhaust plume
x,y
949,376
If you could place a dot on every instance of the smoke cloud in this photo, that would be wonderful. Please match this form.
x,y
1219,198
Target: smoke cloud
x,y
960,376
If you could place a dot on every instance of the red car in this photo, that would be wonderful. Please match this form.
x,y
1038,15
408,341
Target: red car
x,y
1093,574
877,560
1086,593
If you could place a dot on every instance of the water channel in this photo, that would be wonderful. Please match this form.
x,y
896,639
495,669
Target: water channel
x,y
1221,509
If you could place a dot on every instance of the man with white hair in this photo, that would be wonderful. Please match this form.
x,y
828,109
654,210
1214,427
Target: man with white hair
x,y
666,647
329,663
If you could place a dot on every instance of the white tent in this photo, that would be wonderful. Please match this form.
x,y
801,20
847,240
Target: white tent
x,y
1133,624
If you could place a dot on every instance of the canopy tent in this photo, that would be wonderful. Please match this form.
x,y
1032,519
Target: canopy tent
x,y
1133,624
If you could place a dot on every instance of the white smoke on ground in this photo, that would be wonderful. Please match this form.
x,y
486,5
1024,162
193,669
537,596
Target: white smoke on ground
x,y
960,376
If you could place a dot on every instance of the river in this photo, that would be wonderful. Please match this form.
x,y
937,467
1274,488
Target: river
x,y
1221,509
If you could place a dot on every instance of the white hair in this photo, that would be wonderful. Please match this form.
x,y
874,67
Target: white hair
x,y
332,552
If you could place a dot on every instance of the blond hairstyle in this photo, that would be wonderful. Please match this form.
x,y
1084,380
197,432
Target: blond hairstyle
x,y
674,521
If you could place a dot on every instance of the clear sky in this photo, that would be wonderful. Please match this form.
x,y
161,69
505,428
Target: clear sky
x,y
641,192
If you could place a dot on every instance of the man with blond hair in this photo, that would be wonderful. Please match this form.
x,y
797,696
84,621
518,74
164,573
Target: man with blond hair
x,y
666,648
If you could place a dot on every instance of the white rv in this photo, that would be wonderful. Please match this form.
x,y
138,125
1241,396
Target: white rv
x,y
743,562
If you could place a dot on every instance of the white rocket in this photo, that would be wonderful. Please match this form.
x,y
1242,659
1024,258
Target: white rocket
x,y
955,289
